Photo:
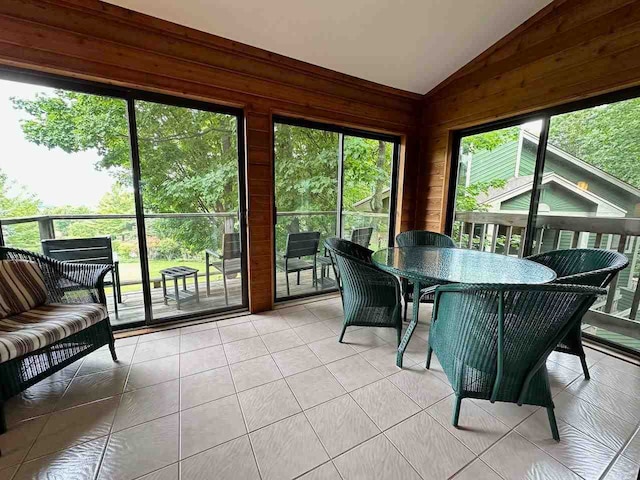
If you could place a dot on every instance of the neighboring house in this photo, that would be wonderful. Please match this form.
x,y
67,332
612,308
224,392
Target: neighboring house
x,y
364,205
570,187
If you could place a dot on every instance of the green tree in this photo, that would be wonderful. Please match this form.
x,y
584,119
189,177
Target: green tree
x,y
189,164
188,157
605,137
488,140
17,202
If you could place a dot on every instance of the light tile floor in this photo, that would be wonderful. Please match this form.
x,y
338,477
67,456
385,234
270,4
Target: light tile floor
x,y
275,396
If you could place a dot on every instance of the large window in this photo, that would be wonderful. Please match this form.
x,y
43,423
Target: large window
x,y
152,186
563,179
328,182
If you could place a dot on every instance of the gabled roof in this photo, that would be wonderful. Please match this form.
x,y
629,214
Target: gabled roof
x,y
520,185
583,165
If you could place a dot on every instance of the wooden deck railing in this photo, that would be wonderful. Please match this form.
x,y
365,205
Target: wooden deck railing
x,y
498,232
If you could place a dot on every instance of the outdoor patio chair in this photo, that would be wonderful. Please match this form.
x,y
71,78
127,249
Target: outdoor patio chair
x,y
95,250
51,314
414,238
370,297
299,246
493,341
581,266
228,262
361,236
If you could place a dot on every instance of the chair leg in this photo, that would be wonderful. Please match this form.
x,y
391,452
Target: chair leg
x,y
553,424
112,343
112,348
3,420
429,353
226,295
116,271
208,282
456,412
344,329
585,369
399,330
286,275
298,278
115,299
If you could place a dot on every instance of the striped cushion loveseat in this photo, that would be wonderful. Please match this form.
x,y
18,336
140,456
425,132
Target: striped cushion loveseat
x,y
51,314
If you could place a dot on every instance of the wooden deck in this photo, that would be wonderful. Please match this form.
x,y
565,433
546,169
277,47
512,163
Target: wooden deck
x,y
132,308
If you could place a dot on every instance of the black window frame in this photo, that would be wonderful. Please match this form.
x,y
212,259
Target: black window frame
x,y
343,131
130,96
544,114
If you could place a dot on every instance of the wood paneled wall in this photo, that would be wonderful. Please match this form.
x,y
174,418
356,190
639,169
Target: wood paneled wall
x,y
97,41
570,50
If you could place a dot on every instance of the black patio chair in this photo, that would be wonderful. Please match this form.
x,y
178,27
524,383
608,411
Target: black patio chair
x,y
228,262
95,250
299,246
360,236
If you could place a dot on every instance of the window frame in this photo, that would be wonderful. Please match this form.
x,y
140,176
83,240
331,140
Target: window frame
x,y
342,131
544,114
130,96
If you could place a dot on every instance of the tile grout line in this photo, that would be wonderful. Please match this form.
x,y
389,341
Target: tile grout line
x,y
246,426
180,406
49,414
620,453
305,416
108,441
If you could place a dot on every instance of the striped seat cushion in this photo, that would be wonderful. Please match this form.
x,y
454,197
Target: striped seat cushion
x,y
36,328
22,287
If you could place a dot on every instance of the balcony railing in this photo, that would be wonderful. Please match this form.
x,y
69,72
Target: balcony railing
x,y
504,233
225,221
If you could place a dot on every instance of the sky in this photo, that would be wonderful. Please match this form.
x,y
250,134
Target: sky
x,y
56,177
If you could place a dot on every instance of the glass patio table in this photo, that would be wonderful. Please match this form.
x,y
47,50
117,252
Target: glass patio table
x,y
426,266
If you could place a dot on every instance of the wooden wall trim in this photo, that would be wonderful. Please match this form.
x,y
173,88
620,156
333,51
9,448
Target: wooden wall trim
x,y
92,40
570,50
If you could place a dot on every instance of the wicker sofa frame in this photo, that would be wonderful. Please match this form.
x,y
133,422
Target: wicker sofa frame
x,y
68,283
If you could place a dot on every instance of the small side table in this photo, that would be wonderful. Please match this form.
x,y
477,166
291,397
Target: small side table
x,y
184,295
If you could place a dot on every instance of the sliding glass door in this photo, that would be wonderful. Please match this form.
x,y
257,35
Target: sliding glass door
x,y
66,184
367,200
189,186
152,185
590,198
563,179
494,188
328,182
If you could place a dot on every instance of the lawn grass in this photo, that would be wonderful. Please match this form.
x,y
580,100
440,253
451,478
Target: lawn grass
x,y
130,272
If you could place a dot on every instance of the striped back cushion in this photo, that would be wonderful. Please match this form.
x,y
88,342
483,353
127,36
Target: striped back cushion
x,y
22,287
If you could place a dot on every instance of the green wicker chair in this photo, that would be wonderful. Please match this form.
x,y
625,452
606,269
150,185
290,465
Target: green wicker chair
x,y
493,340
370,297
581,266
413,238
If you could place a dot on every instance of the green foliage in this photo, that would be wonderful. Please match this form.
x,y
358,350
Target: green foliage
x,y
467,196
189,164
19,204
307,177
605,137
488,140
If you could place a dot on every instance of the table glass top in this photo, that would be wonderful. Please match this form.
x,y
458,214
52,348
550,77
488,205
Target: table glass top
x,y
453,265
